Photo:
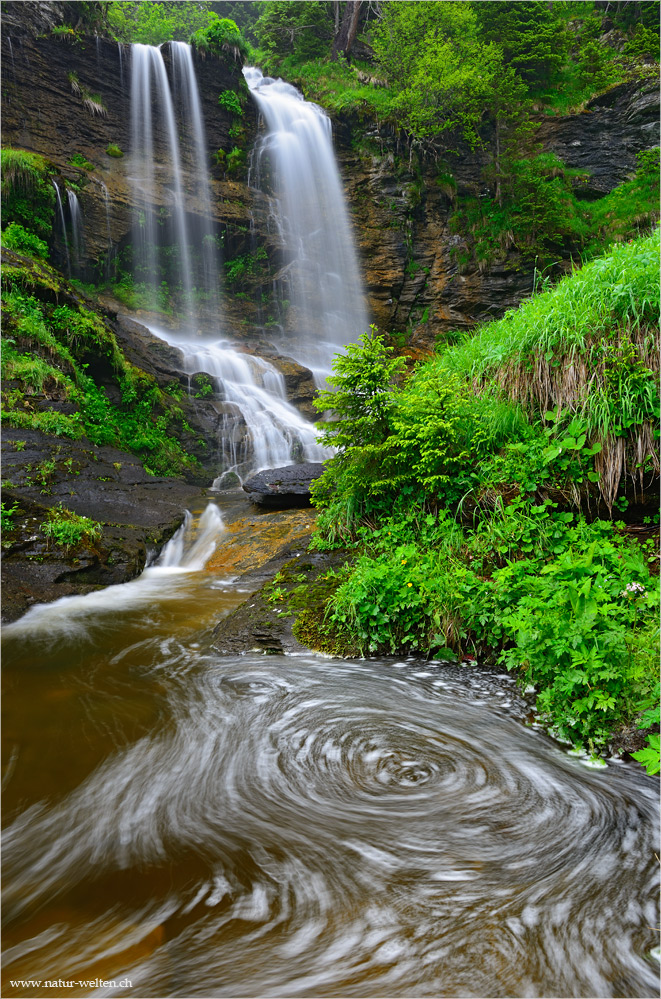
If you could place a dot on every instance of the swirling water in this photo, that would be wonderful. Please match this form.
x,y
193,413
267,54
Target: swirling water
x,y
202,825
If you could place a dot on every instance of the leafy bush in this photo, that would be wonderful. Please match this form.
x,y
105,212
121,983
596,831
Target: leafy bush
x,y
28,196
567,604
67,528
78,160
114,151
230,102
6,514
16,237
221,36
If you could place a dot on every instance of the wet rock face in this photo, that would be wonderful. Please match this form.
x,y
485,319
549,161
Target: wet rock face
x,y
604,139
44,111
139,513
409,254
284,487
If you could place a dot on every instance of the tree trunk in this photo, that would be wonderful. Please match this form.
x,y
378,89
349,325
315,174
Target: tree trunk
x,y
345,37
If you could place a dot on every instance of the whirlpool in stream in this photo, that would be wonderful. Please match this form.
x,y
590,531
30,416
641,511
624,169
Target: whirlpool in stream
x,y
200,825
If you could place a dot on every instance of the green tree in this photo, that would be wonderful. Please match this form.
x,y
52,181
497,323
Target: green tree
x,y
533,41
155,23
446,78
303,29
365,380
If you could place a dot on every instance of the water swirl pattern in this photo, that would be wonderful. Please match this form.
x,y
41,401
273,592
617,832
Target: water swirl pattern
x,y
306,827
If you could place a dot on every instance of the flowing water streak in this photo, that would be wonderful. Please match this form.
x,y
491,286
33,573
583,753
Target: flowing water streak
x,y
299,827
320,275
60,210
152,116
185,81
269,432
11,53
77,229
186,552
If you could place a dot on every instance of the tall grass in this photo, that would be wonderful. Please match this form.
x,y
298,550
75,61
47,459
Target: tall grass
x,y
588,347
21,170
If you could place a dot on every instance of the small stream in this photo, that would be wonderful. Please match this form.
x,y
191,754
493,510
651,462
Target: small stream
x,y
200,825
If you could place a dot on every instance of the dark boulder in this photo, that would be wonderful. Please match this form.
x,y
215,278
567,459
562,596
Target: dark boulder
x,y
280,488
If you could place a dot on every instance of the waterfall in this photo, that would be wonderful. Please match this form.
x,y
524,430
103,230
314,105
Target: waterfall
x,y
258,428
320,274
77,234
151,99
204,236
60,211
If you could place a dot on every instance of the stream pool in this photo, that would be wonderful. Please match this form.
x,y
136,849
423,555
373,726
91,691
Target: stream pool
x,y
179,823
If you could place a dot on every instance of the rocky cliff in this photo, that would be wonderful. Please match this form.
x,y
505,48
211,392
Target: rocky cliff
x,y
415,287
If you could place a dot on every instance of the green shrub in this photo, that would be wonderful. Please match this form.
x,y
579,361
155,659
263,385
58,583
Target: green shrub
x,y
236,161
229,101
114,150
221,36
78,160
67,528
6,514
28,196
16,237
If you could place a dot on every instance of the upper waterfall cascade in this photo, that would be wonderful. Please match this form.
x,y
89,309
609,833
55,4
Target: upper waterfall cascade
x,y
320,275
295,163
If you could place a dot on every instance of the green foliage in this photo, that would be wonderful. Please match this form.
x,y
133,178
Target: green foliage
x,y
221,35
587,345
569,605
364,378
78,160
6,515
629,210
28,197
230,102
235,161
16,237
114,151
650,757
246,266
66,528
301,29
536,212
70,338
339,87
531,37
445,77
155,23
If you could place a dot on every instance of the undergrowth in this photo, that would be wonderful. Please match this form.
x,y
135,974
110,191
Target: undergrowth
x,y
49,353
469,497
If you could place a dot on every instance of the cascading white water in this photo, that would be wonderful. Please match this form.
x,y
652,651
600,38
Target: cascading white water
x,y
153,119
320,270
60,211
188,551
77,232
259,428
106,203
269,432
204,236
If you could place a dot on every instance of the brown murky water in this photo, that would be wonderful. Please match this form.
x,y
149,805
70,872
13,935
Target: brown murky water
x,y
198,825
